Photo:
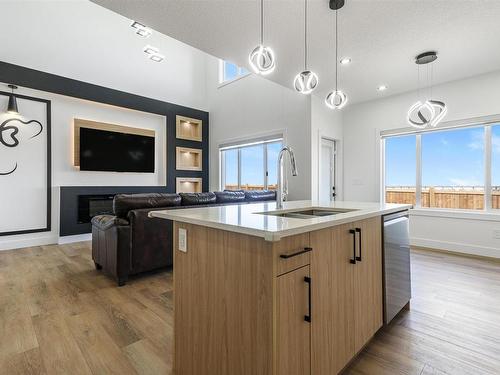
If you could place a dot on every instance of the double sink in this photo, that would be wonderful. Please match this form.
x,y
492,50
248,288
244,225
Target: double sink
x,y
308,213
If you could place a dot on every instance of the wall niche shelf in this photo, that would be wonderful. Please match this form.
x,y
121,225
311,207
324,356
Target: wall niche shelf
x,y
189,185
188,128
188,159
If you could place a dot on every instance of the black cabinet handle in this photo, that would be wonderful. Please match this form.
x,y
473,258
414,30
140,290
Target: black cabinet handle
x,y
358,230
305,250
307,318
353,232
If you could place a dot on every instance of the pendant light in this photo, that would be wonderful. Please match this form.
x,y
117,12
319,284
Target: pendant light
x,y
262,59
306,81
336,99
427,112
12,106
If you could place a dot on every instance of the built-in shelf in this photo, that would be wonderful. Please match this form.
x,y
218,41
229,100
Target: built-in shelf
x,y
189,184
189,128
188,159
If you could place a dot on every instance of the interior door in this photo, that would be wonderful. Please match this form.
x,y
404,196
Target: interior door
x,y
327,170
368,300
332,326
293,334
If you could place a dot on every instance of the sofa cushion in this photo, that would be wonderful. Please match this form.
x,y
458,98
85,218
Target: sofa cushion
x,y
123,203
194,199
228,196
104,222
260,195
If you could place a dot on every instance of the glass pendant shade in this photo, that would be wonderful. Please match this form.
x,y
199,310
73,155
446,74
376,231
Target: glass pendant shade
x,y
336,100
305,82
262,60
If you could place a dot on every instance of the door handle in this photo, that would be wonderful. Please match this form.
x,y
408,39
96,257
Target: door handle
x,y
305,250
307,317
358,230
353,260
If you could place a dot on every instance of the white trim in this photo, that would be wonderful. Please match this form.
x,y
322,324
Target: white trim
x,y
76,238
418,176
479,215
488,199
382,195
447,125
50,239
457,247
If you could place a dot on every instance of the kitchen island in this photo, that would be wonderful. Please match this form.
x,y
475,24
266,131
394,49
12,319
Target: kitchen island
x,y
265,292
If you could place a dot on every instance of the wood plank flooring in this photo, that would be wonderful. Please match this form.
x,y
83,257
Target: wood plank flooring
x,y
58,315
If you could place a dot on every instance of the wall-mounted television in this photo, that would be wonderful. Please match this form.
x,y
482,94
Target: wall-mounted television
x,y
102,150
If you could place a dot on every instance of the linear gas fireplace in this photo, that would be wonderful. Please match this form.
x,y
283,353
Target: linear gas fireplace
x,y
93,205
78,204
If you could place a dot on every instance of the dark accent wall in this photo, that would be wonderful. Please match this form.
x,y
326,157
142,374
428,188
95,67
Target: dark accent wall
x,y
38,80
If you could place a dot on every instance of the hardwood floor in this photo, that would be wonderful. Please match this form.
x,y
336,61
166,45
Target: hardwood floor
x,y
58,315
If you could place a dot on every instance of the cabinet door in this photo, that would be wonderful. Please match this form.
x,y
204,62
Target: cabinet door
x,y
293,332
332,339
368,300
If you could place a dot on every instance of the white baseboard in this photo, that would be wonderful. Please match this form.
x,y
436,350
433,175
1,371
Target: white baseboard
x,y
75,238
28,242
456,247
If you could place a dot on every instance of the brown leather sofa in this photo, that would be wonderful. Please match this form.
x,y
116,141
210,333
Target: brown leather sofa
x,y
130,242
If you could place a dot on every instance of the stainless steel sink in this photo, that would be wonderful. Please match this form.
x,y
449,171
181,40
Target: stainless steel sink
x,y
308,213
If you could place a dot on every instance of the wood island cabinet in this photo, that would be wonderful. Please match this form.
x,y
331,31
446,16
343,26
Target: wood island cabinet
x,y
346,269
305,305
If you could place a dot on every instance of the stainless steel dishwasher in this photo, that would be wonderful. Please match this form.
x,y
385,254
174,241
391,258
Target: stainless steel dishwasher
x,y
397,278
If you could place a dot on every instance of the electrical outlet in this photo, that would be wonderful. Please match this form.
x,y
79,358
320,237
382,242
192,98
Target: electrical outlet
x,y
183,240
496,234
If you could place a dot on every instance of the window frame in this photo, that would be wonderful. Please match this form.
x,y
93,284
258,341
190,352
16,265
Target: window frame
x,y
486,123
241,145
241,74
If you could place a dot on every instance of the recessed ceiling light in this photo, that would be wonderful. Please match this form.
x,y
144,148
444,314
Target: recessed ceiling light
x,y
345,60
150,50
157,57
382,88
153,53
141,29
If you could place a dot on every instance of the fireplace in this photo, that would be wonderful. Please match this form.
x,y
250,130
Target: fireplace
x,y
93,205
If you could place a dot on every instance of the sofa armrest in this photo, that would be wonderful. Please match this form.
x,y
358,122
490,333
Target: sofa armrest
x,y
104,222
151,240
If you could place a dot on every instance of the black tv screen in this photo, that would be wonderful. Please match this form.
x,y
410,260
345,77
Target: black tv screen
x,y
102,150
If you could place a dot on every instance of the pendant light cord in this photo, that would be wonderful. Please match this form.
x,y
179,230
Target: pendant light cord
x,y
305,34
336,49
262,22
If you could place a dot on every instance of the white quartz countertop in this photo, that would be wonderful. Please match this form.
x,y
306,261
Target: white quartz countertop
x,y
249,218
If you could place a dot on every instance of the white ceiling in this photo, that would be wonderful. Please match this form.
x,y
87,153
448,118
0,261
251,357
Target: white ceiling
x,y
381,36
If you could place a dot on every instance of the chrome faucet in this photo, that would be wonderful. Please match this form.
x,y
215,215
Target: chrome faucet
x,y
280,194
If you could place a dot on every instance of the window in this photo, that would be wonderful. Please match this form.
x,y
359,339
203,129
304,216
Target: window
x,y
453,169
445,169
229,72
250,166
400,166
495,167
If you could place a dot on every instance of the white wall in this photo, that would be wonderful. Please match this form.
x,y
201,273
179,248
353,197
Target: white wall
x,y
253,106
64,110
477,96
325,123
81,40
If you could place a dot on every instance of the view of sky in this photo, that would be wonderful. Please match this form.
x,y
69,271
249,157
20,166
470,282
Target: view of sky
x,y
449,158
252,164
